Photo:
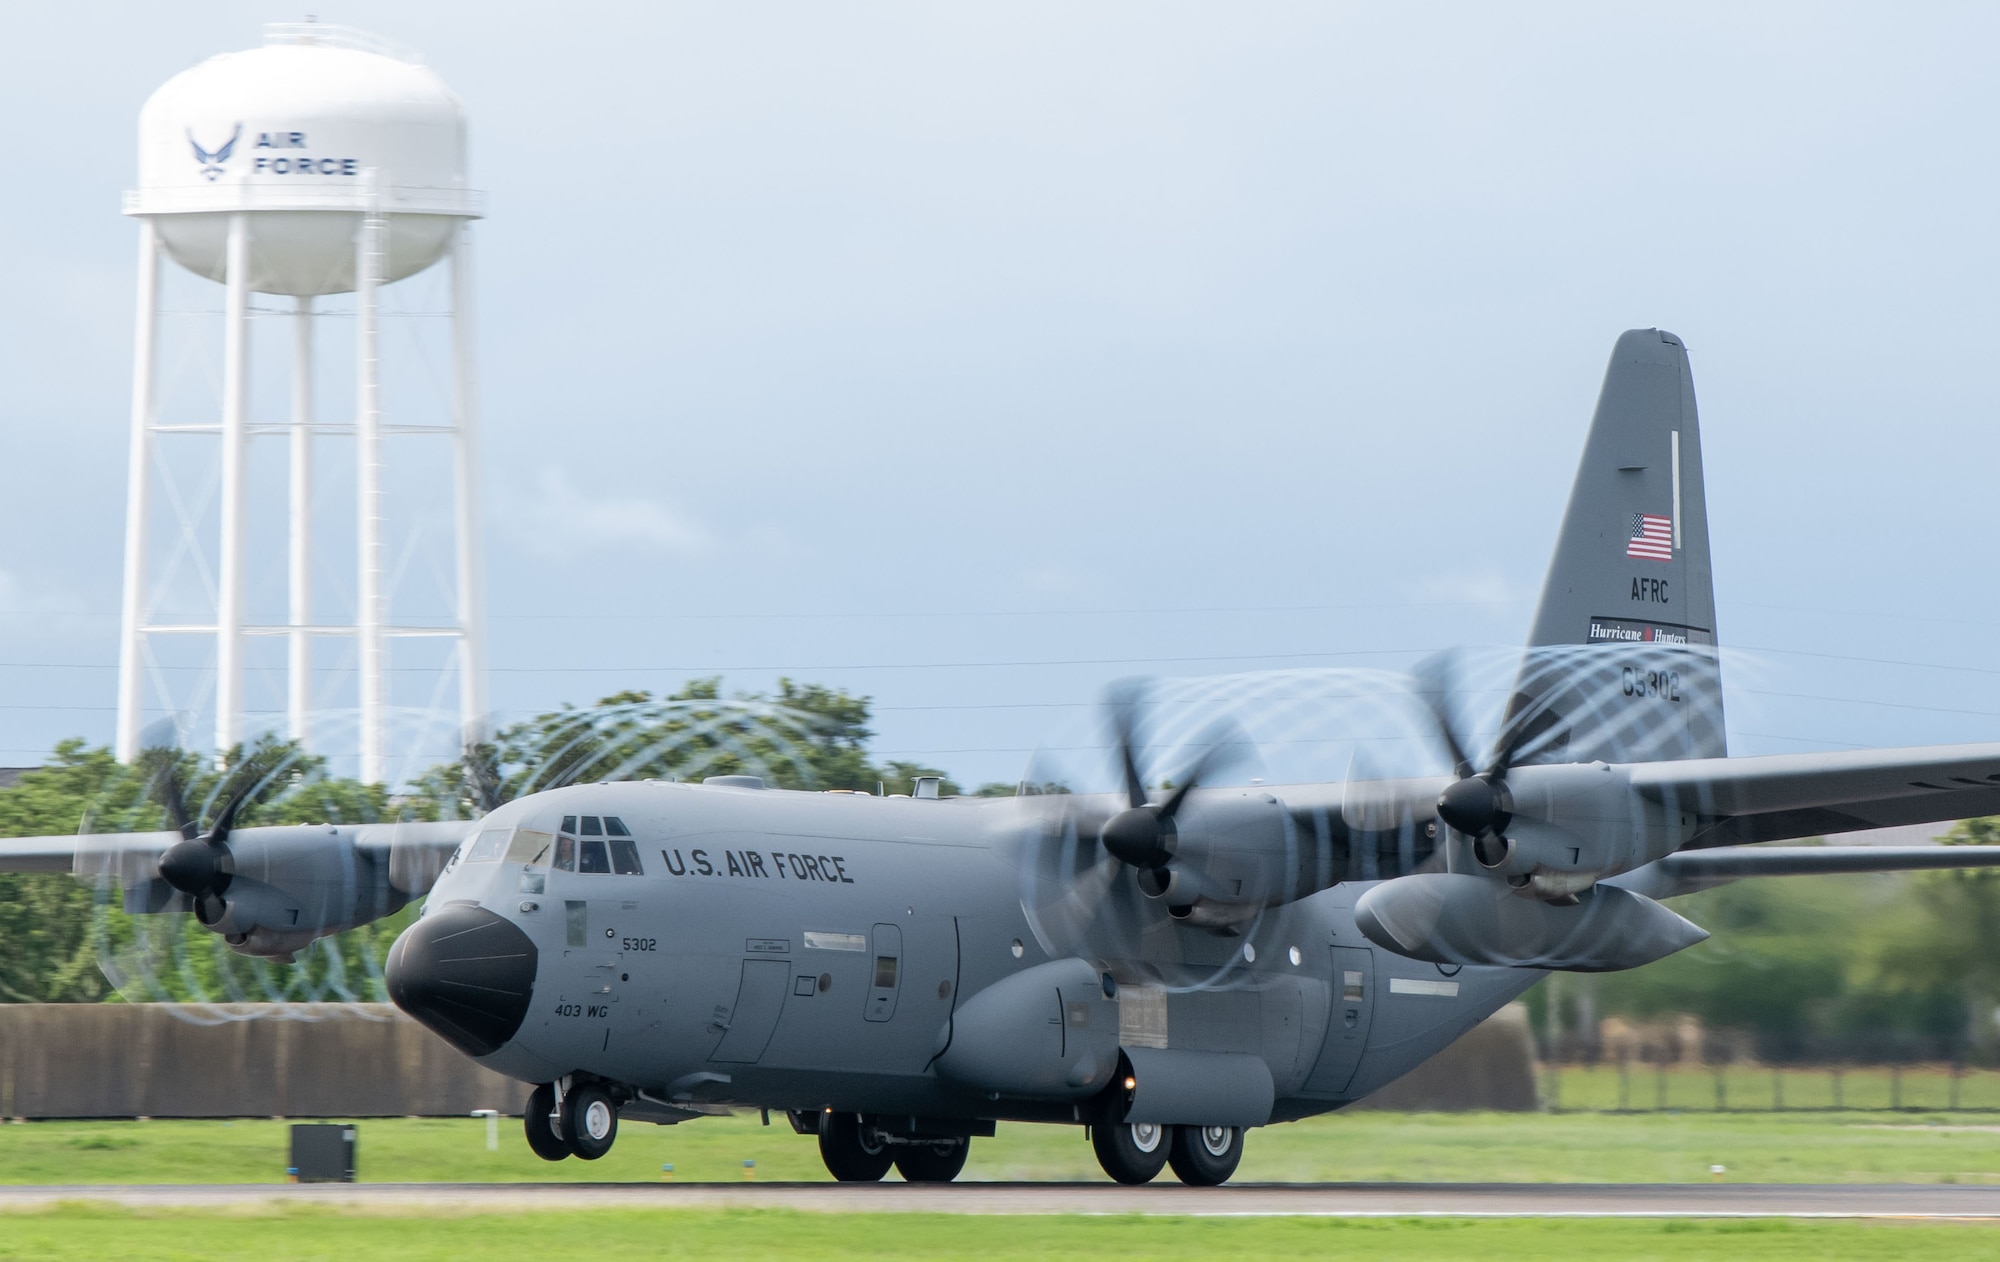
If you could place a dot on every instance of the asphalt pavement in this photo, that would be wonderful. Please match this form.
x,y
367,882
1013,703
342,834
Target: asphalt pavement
x,y
1358,1200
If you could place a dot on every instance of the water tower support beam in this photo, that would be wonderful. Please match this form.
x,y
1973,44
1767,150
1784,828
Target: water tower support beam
x,y
235,446
298,665
368,271
465,469
139,471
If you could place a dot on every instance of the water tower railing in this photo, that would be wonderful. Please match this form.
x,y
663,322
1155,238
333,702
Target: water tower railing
x,y
221,197
327,35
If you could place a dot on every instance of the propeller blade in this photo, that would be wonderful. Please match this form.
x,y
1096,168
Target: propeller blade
x,y
170,791
1121,702
1435,679
218,832
1218,750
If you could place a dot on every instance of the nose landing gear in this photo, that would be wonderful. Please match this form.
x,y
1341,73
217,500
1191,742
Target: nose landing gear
x,y
590,1121
544,1125
583,1124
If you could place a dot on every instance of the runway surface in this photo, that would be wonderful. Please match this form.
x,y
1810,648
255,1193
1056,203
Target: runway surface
x,y
1357,1200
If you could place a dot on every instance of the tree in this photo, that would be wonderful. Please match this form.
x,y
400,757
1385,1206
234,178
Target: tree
x,y
57,933
1956,950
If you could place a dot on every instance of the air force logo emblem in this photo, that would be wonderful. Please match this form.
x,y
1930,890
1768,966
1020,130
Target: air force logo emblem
x,y
211,160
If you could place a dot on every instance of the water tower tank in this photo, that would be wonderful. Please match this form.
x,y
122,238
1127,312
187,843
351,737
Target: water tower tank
x,y
317,124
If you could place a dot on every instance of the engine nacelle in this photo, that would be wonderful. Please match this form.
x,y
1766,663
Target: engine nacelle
x,y
1237,852
285,887
1571,826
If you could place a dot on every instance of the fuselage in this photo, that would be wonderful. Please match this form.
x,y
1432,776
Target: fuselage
x,y
704,944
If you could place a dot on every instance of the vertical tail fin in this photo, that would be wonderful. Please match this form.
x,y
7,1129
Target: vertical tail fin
x,y
1621,663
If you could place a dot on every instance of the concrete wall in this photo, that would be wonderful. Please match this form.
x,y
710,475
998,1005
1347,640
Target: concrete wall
x,y
369,1060
161,1060
1492,1066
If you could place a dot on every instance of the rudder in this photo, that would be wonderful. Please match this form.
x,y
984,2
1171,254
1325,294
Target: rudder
x,y
1621,663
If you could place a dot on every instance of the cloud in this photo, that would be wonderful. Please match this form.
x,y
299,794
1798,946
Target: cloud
x,y
568,521
1467,587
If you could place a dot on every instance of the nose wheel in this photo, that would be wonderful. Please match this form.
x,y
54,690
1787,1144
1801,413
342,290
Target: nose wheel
x,y
590,1121
584,1125
544,1128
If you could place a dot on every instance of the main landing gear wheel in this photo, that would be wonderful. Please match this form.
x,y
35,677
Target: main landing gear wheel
x,y
590,1121
1131,1152
1204,1156
540,1123
932,1163
852,1154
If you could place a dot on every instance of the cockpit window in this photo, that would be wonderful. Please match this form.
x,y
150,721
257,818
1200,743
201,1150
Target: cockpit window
x,y
615,826
530,848
569,823
489,845
592,826
624,855
594,858
565,854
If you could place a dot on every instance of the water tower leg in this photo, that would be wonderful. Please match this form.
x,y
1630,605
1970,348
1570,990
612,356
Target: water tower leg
x,y
235,446
131,666
368,443
465,470
298,666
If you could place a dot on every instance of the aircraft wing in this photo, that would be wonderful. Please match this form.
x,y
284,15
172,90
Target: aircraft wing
x,y
58,854
1686,871
413,848
1730,862
1783,796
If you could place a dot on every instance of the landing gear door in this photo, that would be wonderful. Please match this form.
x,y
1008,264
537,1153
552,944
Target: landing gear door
x,y
1347,1025
886,975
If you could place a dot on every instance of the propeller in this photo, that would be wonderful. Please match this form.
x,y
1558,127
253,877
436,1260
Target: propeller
x,y
199,864
1144,835
1476,803
1096,871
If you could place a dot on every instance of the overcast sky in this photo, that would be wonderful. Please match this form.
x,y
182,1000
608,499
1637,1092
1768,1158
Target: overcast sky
x,y
972,356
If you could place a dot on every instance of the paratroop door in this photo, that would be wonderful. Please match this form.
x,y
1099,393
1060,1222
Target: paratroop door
x,y
759,999
1347,1025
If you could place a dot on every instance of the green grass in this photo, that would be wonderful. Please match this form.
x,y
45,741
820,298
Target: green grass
x,y
79,1231
1354,1147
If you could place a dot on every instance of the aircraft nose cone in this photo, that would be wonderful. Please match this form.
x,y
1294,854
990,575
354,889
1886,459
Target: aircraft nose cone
x,y
465,973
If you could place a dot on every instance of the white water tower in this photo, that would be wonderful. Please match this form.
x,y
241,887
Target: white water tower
x,y
326,162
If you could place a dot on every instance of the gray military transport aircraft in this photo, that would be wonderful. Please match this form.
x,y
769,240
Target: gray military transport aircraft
x,y
896,975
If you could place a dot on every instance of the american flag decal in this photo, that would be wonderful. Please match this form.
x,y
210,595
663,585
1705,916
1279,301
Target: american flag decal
x,y
1652,538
